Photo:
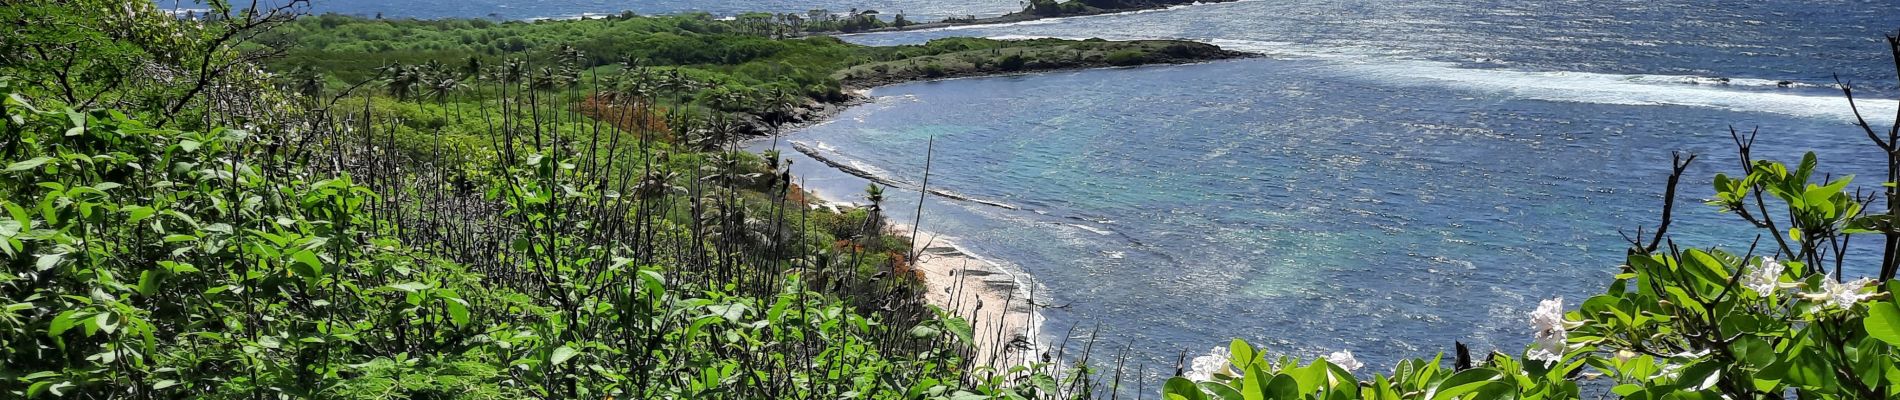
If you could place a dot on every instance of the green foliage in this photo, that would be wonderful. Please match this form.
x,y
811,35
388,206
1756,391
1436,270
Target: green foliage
x,y
1241,372
719,57
166,263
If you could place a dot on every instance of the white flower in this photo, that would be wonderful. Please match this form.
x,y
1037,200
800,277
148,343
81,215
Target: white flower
x,y
1548,343
1549,316
1765,279
1204,367
1843,295
1344,359
1623,356
1548,346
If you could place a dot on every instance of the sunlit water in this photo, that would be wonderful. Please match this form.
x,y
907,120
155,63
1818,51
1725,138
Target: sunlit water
x,y
1394,175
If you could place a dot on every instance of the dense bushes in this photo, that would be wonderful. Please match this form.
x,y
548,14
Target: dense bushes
x,y
148,262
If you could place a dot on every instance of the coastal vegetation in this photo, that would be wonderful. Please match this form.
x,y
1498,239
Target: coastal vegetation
x,y
822,22
256,204
981,57
1067,8
701,66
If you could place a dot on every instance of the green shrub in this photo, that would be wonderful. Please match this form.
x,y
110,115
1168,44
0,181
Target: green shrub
x,y
933,70
1126,58
1012,62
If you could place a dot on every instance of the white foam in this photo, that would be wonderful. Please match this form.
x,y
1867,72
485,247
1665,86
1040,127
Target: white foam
x,y
1622,89
1044,21
1028,37
572,17
1095,230
1733,94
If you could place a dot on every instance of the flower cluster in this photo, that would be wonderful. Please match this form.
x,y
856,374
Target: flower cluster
x,y
1344,359
1843,295
1766,279
1549,344
1205,367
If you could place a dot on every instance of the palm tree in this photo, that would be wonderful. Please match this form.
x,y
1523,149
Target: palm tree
x,y
472,71
403,80
874,218
442,88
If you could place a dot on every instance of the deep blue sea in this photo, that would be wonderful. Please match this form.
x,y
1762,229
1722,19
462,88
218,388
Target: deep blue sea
x,y
1391,177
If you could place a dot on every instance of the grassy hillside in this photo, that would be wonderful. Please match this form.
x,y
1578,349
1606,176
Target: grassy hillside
x,y
713,66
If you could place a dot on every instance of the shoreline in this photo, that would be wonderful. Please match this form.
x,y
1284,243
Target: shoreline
x,y
998,303
858,91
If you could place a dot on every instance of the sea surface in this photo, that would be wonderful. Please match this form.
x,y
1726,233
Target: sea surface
x,y
1392,176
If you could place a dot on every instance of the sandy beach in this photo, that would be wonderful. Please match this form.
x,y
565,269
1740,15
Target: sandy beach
x,y
994,300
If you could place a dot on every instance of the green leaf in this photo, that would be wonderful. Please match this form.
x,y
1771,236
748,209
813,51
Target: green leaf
x,y
47,261
62,323
458,312
107,323
177,267
1220,391
1700,376
1813,371
562,354
307,265
57,388
1045,383
148,282
410,287
923,331
961,327
1241,354
28,164
1183,388
1282,387
1883,322
1465,382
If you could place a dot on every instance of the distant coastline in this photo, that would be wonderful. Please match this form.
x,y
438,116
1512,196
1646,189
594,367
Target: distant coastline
x,y
1078,10
1034,56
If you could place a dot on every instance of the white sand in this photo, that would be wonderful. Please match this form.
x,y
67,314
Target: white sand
x,y
994,300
